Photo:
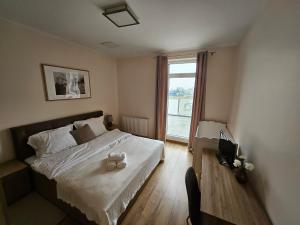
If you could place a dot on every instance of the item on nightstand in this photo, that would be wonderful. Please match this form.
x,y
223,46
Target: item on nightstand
x,y
108,119
15,179
114,126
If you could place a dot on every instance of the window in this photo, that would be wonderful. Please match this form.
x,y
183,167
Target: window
x,y
180,98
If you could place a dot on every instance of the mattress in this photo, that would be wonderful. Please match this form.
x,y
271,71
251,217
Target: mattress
x,y
83,181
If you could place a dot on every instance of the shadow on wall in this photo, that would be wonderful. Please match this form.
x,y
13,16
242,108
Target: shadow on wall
x,y
235,104
6,146
258,179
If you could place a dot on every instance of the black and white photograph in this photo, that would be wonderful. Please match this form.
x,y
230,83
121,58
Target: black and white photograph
x,y
66,83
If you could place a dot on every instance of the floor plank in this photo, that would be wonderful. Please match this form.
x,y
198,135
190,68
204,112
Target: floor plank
x,y
164,199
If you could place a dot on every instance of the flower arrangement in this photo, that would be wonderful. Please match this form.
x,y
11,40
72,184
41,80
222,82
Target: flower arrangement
x,y
242,165
241,162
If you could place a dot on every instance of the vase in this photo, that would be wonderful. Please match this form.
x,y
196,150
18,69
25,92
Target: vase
x,y
241,175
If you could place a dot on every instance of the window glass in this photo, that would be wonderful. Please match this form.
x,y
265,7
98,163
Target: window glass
x,y
182,68
180,103
180,98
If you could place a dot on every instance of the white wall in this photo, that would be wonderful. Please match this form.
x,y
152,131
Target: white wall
x,y
137,84
266,108
220,84
22,97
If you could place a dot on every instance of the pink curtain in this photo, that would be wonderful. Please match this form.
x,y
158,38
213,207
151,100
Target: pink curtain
x,y
161,97
198,110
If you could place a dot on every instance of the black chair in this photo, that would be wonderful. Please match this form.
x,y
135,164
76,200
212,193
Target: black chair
x,y
194,196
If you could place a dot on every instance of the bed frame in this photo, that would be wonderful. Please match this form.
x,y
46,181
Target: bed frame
x,y
20,134
41,184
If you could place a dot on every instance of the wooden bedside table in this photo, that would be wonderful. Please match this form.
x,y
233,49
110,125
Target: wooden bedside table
x,y
3,207
15,180
114,126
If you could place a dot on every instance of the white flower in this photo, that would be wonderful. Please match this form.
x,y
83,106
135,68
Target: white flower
x,y
249,166
237,163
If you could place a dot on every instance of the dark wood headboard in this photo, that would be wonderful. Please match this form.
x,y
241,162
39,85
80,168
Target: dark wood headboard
x,y
20,134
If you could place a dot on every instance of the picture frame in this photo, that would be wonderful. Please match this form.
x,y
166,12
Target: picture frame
x,y
64,83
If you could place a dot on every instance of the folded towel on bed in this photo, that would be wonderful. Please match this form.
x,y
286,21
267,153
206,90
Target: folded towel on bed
x,y
116,160
111,165
116,156
122,164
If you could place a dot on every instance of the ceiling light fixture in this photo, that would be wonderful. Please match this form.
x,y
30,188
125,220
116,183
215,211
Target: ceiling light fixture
x,y
120,15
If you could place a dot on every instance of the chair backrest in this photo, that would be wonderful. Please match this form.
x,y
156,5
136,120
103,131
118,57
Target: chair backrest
x,y
194,196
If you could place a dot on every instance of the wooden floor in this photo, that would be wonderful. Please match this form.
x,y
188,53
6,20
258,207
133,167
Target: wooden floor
x,y
163,201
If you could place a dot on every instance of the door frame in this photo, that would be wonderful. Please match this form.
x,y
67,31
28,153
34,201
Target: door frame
x,y
178,75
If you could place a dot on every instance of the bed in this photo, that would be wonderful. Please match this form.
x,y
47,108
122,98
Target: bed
x,y
76,179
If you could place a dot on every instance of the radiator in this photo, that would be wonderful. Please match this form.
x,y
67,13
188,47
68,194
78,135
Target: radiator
x,y
136,125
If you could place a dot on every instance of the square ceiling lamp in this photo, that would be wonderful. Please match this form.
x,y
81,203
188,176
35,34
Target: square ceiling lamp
x,y
120,15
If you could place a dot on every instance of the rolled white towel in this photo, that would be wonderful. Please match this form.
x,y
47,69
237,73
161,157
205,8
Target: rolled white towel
x,y
111,165
116,156
122,164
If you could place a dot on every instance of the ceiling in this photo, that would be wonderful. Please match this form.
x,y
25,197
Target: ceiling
x,y
165,25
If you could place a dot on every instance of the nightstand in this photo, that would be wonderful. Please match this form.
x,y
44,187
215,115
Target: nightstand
x,y
114,126
15,177
3,207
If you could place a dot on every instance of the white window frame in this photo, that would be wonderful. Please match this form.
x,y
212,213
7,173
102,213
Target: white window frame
x,y
178,75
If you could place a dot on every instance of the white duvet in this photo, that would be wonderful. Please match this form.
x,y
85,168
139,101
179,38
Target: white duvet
x,y
83,181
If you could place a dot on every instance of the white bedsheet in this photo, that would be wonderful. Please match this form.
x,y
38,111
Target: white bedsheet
x,y
55,164
83,181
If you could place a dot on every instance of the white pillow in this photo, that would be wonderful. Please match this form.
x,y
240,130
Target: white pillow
x,y
96,124
52,141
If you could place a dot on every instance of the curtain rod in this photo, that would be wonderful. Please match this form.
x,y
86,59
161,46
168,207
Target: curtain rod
x,y
195,53
187,54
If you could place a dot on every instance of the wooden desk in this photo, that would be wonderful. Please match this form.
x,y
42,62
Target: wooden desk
x,y
224,198
207,136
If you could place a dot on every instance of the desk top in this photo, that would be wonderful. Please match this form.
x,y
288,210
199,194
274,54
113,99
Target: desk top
x,y
211,130
223,197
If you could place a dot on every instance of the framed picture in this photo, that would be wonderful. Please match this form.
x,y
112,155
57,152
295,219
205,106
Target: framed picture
x,y
66,83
